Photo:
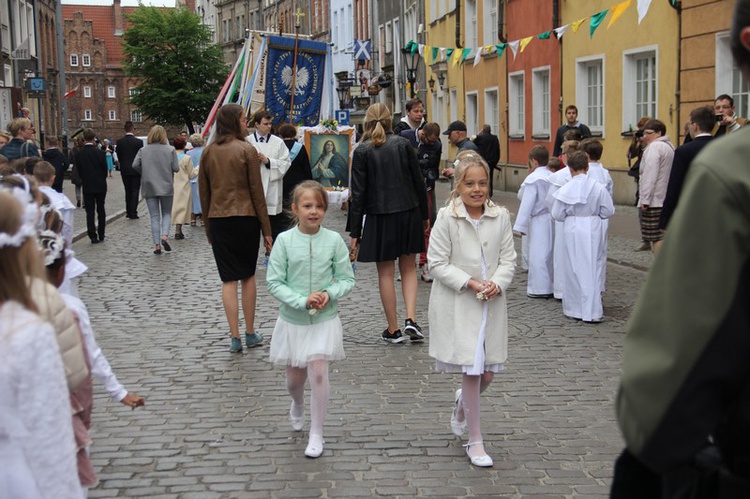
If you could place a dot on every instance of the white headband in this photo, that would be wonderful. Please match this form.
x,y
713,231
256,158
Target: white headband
x,y
28,218
51,244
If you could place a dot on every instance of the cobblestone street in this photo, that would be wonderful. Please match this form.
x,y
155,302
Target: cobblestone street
x,y
215,424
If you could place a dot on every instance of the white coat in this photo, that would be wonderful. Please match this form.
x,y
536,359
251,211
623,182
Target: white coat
x,y
272,175
454,256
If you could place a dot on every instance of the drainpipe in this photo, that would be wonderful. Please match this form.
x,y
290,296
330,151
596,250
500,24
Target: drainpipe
x,y
677,6
458,24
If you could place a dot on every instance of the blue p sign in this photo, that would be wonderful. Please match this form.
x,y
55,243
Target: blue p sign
x,y
342,116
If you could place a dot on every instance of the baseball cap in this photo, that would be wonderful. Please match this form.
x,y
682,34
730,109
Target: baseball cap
x,y
456,126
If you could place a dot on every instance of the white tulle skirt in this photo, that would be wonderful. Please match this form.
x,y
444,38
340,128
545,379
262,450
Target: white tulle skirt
x,y
294,345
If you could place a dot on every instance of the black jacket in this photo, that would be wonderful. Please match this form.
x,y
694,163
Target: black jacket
x,y
428,157
91,163
683,156
385,180
57,158
585,133
489,148
297,173
126,149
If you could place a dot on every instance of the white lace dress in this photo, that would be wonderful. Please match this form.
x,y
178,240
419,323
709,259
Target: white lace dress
x,y
37,449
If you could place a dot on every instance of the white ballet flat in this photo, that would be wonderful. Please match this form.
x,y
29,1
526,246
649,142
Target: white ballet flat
x,y
457,427
484,461
314,446
297,422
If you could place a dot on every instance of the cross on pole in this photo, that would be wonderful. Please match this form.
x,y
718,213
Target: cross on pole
x,y
297,15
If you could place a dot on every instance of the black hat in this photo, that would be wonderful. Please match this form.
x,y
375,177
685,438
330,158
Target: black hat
x,y
456,126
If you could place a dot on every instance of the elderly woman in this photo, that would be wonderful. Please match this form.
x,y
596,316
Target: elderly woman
x,y
196,140
187,172
156,162
655,168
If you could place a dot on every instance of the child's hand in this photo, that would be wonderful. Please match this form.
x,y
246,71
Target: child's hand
x,y
133,401
323,299
312,301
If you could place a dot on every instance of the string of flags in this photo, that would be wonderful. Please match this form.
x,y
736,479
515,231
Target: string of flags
x,y
459,55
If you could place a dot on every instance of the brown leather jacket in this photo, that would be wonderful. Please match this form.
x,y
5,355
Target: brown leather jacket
x,y
230,185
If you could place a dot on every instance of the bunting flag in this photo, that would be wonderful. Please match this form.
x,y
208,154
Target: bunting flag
x,y
574,26
596,20
559,32
457,56
71,92
445,54
500,48
545,35
643,6
478,57
514,47
618,10
525,42
435,51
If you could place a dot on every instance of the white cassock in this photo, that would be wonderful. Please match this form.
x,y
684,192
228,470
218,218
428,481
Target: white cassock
x,y
534,220
557,180
581,205
601,175
272,175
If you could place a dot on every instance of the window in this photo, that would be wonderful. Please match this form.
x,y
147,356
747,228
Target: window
x,y
492,109
226,30
87,92
111,92
74,59
490,22
132,91
136,116
729,78
335,37
87,116
590,93
453,103
7,74
472,114
112,115
640,85
516,105
86,60
388,38
471,23
540,103
381,32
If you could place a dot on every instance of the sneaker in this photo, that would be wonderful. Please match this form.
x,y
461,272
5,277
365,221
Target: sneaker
x,y
253,340
236,345
394,337
644,246
425,275
413,330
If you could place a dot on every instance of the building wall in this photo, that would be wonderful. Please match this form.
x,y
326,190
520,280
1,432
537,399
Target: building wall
x,y
615,48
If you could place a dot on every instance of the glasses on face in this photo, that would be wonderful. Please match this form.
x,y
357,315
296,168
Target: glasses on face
x,y
648,132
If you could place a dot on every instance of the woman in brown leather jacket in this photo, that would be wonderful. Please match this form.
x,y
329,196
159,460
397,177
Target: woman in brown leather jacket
x,y
234,208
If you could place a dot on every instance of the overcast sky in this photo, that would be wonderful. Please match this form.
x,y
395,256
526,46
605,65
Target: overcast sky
x,y
125,3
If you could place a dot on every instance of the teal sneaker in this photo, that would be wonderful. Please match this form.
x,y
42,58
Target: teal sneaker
x,y
236,345
253,340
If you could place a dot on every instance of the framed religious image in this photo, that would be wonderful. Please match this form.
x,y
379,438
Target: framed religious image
x,y
330,155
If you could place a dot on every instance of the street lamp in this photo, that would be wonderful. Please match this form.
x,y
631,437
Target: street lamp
x,y
411,60
431,83
342,92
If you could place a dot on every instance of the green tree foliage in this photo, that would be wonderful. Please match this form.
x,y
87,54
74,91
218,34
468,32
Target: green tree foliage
x,y
179,68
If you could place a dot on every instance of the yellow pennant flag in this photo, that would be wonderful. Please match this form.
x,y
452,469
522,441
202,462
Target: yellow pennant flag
x,y
574,26
618,10
457,56
525,41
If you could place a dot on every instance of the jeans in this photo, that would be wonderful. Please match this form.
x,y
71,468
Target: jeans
x,y
160,209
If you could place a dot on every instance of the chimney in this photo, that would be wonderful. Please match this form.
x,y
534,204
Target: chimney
x,y
117,11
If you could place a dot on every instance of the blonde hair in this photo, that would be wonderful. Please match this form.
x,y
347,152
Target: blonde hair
x,y
464,161
43,172
378,122
308,185
157,135
17,125
196,140
569,146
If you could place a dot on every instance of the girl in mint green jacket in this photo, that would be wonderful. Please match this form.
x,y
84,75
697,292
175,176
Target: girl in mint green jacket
x,y
308,271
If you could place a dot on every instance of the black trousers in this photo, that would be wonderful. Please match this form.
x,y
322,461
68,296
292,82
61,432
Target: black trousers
x,y
95,202
492,178
132,184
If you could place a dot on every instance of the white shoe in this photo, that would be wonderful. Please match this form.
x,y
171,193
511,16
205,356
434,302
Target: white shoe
x,y
314,446
483,461
457,427
425,275
297,422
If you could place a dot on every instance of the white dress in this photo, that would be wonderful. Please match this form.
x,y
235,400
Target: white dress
x,y
559,259
534,220
295,345
600,174
37,449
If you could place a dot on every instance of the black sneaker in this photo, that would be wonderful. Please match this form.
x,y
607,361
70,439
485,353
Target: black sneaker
x,y
413,330
394,337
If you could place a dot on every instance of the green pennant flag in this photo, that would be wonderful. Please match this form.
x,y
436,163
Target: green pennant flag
x,y
545,35
596,20
500,49
435,53
464,54
414,47
448,54
409,45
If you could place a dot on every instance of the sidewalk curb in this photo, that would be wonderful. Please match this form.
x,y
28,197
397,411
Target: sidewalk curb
x,y
84,233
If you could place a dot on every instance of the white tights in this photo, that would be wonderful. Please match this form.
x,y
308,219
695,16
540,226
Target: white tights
x,y
471,388
317,371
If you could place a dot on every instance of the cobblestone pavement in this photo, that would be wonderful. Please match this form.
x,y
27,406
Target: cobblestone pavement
x,y
215,424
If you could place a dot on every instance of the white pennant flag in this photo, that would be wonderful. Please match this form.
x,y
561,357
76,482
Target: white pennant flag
x,y
478,57
559,32
514,47
643,6
421,50
442,53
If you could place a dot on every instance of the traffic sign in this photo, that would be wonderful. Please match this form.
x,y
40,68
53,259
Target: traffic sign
x,y
342,116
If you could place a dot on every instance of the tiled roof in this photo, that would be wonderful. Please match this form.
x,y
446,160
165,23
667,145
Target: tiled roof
x,y
102,18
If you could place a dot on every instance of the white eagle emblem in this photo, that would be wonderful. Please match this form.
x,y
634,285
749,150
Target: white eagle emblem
x,y
302,80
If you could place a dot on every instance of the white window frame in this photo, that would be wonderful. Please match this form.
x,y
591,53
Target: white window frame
x,y
132,91
136,116
470,26
112,115
88,115
582,93
381,52
74,60
471,107
86,60
492,108
541,103
489,14
87,92
729,79
453,103
388,37
111,92
517,104
630,58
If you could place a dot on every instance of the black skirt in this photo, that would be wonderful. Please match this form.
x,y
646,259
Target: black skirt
x,y
235,241
387,237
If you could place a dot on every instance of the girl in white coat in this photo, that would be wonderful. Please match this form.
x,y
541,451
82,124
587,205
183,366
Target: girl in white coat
x,y
472,260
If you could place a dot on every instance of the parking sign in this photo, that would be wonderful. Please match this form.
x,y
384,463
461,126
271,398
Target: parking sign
x,y
342,116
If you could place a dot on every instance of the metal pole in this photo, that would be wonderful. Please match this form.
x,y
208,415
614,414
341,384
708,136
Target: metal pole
x,y
61,62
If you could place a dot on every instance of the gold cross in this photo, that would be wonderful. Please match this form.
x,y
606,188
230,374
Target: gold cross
x,y
297,14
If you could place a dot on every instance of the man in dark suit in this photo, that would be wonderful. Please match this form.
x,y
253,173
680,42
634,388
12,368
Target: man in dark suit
x,y
701,123
54,156
91,163
126,149
489,149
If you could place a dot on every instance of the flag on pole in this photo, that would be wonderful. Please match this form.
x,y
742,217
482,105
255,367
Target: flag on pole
x,y
71,92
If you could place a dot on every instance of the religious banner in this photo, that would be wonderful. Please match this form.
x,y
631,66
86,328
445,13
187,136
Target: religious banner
x,y
295,73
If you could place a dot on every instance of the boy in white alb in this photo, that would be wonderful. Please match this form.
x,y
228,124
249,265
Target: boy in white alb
x,y
581,205
534,222
44,173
